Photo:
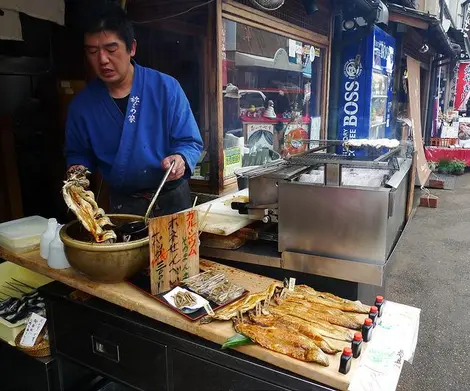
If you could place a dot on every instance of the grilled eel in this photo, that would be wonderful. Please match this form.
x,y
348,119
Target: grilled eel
x,y
244,304
329,300
317,311
321,327
296,325
82,203
283,341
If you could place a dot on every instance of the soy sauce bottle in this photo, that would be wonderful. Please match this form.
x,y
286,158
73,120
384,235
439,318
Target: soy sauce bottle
x,y
367,329
373,314
356,345
379,302
345,362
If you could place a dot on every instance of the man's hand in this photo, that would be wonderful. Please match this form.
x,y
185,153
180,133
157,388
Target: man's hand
x,y
178,169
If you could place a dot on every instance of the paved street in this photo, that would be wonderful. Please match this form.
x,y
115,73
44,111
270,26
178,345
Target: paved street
x,y
432,272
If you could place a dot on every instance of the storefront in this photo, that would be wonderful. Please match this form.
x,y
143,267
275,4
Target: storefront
x,y
258,85
274,84
242,59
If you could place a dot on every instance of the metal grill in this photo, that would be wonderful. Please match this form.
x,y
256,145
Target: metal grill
x,y
311,158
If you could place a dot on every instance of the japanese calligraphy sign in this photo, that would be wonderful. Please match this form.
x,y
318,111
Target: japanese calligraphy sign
x,y
174,250
463,86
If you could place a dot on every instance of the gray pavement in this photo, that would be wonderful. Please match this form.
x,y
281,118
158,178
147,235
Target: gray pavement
x,y
432,272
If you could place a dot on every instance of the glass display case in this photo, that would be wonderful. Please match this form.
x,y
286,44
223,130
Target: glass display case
x,y
272,89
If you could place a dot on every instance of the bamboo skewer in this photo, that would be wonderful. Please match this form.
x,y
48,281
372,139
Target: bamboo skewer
x,y
202,226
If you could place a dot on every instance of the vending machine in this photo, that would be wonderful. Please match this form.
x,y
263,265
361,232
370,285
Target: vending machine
x,y
366,87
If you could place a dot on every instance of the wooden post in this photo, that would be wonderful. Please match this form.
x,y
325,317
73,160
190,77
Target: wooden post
x,y
411,187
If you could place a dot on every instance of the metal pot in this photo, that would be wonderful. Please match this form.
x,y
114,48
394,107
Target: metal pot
x,y
104,262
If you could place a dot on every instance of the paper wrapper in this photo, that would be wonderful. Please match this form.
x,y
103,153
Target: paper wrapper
x,y
200,301
393,341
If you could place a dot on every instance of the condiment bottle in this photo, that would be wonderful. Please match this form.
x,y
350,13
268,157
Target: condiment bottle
x,y
356,345
57,258
379,303
345,362
47,237
367,328
373,314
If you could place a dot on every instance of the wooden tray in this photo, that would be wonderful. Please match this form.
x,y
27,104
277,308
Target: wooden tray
x,y
141,281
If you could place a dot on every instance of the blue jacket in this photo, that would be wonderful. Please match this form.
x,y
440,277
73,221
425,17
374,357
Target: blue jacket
x,y
128,149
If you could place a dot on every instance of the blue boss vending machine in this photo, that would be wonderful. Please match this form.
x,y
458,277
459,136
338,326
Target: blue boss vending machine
x,y
366,87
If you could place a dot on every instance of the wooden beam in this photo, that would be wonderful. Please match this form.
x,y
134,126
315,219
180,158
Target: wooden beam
x,y
408,20
258,19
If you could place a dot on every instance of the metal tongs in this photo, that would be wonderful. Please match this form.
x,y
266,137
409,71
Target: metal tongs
x,y
136,227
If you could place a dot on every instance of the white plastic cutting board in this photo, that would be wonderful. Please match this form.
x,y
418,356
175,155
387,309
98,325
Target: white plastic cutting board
x,y
23,234
222,219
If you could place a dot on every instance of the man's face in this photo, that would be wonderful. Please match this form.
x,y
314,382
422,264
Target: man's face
x,y
108,56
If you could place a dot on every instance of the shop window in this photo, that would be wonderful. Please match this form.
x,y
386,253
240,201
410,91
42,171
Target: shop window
x,y
272,89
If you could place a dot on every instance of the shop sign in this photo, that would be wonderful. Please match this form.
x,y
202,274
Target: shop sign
x,y
463,86
260,135
174,250
232,160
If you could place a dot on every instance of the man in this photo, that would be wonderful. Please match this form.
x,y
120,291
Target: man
x,y
131,123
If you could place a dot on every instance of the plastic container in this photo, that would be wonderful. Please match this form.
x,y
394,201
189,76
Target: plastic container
x,y
22,235
8,270
47,237
57,258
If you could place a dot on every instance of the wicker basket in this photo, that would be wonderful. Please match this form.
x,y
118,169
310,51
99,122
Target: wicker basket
x,y
41,349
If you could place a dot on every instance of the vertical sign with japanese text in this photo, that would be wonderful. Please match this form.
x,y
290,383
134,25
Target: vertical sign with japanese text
x,y
174,250
414,99
463,86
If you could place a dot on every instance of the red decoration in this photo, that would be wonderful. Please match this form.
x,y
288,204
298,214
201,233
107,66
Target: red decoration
x,y
463,86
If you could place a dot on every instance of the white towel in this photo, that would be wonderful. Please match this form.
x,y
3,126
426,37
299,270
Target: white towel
x,y
53,10
10,26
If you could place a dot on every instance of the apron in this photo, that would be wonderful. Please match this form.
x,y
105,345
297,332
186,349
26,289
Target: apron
x,y
170,202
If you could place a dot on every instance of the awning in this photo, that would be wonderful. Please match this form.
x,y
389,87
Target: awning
x,y
438,38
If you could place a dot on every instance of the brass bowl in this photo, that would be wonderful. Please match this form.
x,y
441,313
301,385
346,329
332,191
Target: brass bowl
x,y
103,262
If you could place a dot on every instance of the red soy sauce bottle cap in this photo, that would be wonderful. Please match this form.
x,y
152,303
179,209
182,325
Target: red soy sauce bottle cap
x,y
357,336
374,309
379,299
368,322
347,351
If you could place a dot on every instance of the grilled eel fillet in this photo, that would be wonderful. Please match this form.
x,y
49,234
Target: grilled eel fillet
x,y
313,311
82,203
319,326
329,300
283,341
296,325
244,304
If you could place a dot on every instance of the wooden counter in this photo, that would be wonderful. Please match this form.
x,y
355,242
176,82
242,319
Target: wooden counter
x,y
127,296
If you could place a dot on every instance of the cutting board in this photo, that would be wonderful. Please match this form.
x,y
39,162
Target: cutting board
x,y
222,219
